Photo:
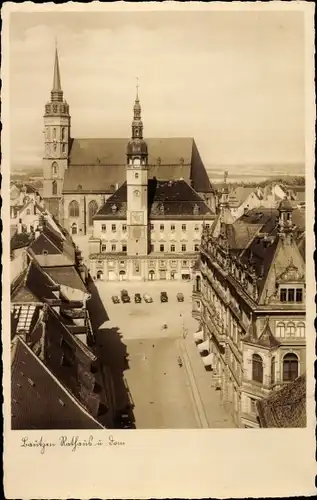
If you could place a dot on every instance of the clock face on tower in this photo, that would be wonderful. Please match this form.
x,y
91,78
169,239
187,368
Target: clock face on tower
x,y
137,217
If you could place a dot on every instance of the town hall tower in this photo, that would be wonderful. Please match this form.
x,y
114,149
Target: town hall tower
x,y
137,188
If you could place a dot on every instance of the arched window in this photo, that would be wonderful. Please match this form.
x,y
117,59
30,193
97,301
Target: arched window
x,y
198,287
54,169
290,329
290,367
257,368
73,209
74,228
54,187
54,133
273,371
92,209
301,329
280,330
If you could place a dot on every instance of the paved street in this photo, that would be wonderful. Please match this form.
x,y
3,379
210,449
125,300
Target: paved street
x,y
164,394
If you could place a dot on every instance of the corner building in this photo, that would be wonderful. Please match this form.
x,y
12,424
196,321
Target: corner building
x,y
148,229
249,298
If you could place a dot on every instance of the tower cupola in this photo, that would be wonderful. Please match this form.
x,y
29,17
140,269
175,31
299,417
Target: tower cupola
x,y
137,147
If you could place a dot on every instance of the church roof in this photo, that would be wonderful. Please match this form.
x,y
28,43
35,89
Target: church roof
x,y
39,400
173,199
97,165
285,407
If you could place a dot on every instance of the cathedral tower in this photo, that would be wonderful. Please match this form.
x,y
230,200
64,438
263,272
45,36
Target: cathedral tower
x,y
137,187
57,139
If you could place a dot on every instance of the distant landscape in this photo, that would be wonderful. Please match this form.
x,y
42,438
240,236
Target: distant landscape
x,y
248,173
238,175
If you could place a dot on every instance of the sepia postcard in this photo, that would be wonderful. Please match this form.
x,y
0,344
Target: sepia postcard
x,y
158,275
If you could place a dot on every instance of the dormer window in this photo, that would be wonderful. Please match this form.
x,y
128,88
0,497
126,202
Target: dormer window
x,y
291,295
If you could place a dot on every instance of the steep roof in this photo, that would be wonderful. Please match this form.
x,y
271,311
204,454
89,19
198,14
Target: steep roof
x,y
174,199
39,400
285,407
97,165
32,286
66,275
20,240
267,217
239,194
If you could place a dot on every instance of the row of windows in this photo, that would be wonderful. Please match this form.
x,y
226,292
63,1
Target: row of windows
x,y
291,295
113,228
124,227
162,248
289,329
172,248
172,227
113,247
290,368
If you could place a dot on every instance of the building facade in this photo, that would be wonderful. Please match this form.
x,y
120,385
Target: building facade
x,y
81,174
249,299
148,229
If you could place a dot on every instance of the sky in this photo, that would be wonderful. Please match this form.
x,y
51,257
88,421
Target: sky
x,y
232,80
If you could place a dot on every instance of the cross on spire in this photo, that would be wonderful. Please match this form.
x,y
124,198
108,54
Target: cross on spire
x,y
137,88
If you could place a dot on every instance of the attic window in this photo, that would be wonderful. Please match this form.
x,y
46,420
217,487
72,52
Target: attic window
x,y
159,161
30,381
196,209
181,161
79,187
44,252
61,402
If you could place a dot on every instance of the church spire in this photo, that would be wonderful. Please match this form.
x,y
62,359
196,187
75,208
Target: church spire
x,y
137,125
57,93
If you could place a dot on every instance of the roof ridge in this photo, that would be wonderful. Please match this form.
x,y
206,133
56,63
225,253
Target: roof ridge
x,y
68,393
77,341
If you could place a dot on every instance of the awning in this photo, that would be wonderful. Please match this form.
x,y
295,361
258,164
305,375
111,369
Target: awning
x,y
204,346
199,335
208,360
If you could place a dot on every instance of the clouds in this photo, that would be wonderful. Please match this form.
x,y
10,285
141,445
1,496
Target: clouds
x,y
234,81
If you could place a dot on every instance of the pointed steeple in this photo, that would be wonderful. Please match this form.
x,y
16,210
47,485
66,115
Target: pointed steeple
x,y
137,110
137,147
57,93
137,125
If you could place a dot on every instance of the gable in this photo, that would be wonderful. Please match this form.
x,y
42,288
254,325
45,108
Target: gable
x,y
42,245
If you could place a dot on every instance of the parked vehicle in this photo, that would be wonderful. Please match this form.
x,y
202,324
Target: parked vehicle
x,y
125,296
147,298
180,297
115,299
164,297
137,298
